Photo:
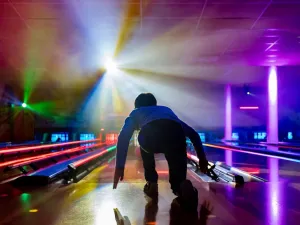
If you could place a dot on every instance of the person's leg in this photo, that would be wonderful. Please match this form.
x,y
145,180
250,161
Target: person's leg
x,y
149,166
177,161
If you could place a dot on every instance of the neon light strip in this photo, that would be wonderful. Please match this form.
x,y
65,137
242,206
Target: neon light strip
x,y
83,161
249,107
253,153
15,150
282,146
26,161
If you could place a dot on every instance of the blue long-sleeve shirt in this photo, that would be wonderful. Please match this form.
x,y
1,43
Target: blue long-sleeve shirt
x,y
138,118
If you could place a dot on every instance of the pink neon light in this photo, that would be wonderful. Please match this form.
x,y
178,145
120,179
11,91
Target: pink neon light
x,y
272,127
249,107
15,150
228,122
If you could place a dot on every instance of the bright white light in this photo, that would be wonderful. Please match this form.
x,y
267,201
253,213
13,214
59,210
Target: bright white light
x,y
273,85
110,65
24,105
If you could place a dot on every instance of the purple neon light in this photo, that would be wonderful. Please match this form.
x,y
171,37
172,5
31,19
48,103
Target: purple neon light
x,y
228,122
249,107
272,134
274,191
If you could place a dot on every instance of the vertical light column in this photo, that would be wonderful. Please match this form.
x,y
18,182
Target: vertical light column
x,y
272,137
228,122
272,126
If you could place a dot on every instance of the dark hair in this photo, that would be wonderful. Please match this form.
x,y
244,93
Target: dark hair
x,y
145,99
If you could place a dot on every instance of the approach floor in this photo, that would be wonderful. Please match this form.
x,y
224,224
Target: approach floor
x,y
91,201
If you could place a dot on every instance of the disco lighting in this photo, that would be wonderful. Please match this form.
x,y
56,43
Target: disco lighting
x,y
247,89
24,105
110,65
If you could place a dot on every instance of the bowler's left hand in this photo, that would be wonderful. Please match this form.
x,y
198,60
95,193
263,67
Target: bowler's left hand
x,y
119,176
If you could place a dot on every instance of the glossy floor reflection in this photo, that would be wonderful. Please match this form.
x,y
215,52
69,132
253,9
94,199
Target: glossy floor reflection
x,y
92,200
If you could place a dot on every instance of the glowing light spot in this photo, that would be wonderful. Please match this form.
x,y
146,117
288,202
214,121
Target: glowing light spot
x,y
248,93
110,65
273,86
33,210
24,105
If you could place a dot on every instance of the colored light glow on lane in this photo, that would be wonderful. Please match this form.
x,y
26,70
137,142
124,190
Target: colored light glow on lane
x,y
228,122
83,161
29,160
250,170
274,193
252,153
249,107
15,150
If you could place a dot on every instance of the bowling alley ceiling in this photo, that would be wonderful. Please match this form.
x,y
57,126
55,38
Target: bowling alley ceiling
x,y
64,41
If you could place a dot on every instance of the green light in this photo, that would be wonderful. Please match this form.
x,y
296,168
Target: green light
x,y
112,148
24,105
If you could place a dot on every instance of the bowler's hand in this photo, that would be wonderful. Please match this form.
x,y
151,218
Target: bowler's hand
x,y
119,175
203,164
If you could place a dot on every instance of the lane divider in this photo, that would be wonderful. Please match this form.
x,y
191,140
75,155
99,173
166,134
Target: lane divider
x,y
80,168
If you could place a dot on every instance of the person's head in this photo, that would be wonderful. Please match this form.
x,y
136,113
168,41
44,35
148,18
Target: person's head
x,y
145,99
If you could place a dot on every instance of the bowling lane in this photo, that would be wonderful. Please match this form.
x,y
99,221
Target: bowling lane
x,y
91,201
262,166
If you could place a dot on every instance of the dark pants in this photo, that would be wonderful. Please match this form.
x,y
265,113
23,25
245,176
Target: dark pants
x,y
164,136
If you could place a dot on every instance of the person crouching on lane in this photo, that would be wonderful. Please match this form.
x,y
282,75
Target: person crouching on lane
x,y
161,131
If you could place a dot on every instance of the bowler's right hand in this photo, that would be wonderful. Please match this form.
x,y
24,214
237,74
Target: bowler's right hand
x,y
203,164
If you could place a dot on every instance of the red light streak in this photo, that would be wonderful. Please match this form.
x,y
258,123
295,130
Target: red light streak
x,y
163,172
15,150
28,160
250,170
83,161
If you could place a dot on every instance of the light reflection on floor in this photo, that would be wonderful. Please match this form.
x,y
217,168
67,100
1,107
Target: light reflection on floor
x,y
91,201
